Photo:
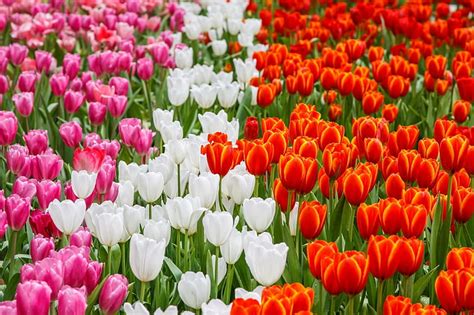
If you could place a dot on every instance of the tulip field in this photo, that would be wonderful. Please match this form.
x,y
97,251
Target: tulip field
x,y
244,157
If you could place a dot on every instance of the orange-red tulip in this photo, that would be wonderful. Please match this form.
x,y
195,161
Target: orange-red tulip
x,y
414,218
452,151
427,173
444,128
460,179
324,181
461,110
463,204
258,156
375,53
381,70
345,83
265,95
279,142
245,307
273,123
459,258
335,111
383,256
329,132
396,305
329,78
297,173
428,148
466,89
408,164
367,219
371,102
295,299
389,165
390,112
336,159
316,252
391,214
356,186
306,147
280,193
397,86
412,252
305,83
395,186
373,150
220,157
312,218
436,65
455,289
404,138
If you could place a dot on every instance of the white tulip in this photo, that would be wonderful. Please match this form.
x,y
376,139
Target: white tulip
x,y
233,247
192,31
171,131
245,70
266,261
293,219
184,213
162,117
184,57
256,294
219,47
217,227
133,218
158,230
136,309
126,193
83,183
164,165
212,123
146,257
171,187
215,307
67,215
150,186
178,90
194,289
245,39
252,236
234,26
251,26
193,159
258,213
176,150
226,204
206,187
222,268
105,221
202,74
238,184
170,310
131,171
204,95
222,76
227,94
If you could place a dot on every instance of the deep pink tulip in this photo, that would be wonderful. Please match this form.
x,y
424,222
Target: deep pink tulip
x,y
72,301
8,127
120,85
105,176
124,61
3,21
27,272
112,193
153,23
24,103
18,210
117,105
75,268
71,133
145,68
46,166
3,223
71,65
129,128
41,223
18,160
89,159
82,237
36,141
24,187
160,52
8,308
113,293
40,247
76,85
51,271
93,275
46,192
27,81
4,51
17,53
58,83
33,298
97,112
2,200
44,60
108,61
95,66
73,101
64,253
142,143
4,85
74,21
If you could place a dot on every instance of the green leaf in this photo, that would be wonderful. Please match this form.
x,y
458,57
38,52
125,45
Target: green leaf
x,y
116,257
336,217
421,284
173,268
92,299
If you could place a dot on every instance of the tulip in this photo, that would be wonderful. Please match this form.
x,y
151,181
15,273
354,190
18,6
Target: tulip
x,y
219,157
367,219
133,216
412,251
18,53
194,289
260,253
137,308
357,186
83,183
47,191
49,270
67,215
58,83
26,82
73,101
145,68
33,297
46,166
227,94
8,307
143,141
71,133
171,131
245,306
312,218
93,275
465,88
8,127
82,237
336,159
41,223
463,204
258,156
205,95
345,272
233,247
162,118
105,221
176,150
113,293
146,257
306,147
383,256
215,306
265,95
158,230
452,152
258,213
184,213
396,305
71,301
97,112
453,289
24,103
298,173
178,90
459,258
238,184
184,57
40,247
129,172
217,227
126,193
117,105
150,186
24,187
43,60
18,210
414,220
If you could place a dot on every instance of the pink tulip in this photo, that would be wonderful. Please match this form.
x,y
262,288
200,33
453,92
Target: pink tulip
x,y
2,200
133,6
27,272
111,147
8,127
153,23
4,51
24,187
89,159
33,297
27,81
93,275
71,133
75,268
3,21
18,160
46,166
142,143
4,85
72,301
82,237
94,64
66,252
97,112
41,223
36,141
73,101
44,60
108,61
51,271
105,176
112,193
117,105
17,54
113,293
58,84
46,192
124,61
3,223
18,210
145,68
160,53
129,128
120,85
40,247
8,308
24,103
71,65
74,21
76,85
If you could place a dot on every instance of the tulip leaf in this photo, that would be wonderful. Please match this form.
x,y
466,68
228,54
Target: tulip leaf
x,y
11,287
173,268
116,256
92,299
336,217
421,284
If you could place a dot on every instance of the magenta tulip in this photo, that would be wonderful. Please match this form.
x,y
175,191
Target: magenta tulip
x,y
4,85
36,141
82,237
24,103
33,298
105,176
113,293
27,81
145,68
93,275
40,247
73,101
120,85
44,60
3,223
8,307
17,53
46,166
71,65
142,143
129,128
18,160
72,301
58,83
46,192
71,133
41,223
97,112
24,187
18,210
75,269
8,127
117,105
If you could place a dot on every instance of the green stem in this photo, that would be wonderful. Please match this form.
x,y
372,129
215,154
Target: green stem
x,y
407,283
124,256
216,273
13,242
351,305
142,291
179,180
109,261
380,298
149,211
333,305
178,248
52,309
228,285
219,196
255,192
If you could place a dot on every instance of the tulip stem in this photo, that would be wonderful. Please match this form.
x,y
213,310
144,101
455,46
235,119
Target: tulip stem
x,y
216,273
228,285
142,291
179,180
149,211
219,195
333,305
350,305
178,248
407,286
123,254
380,297
109,261
52,309
13,247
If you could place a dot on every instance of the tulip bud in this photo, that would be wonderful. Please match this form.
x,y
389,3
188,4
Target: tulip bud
x,y
146,257
33,297
71,301
145,68
18,210
24,103
40,247
83,183
113,294
194,289
71,133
